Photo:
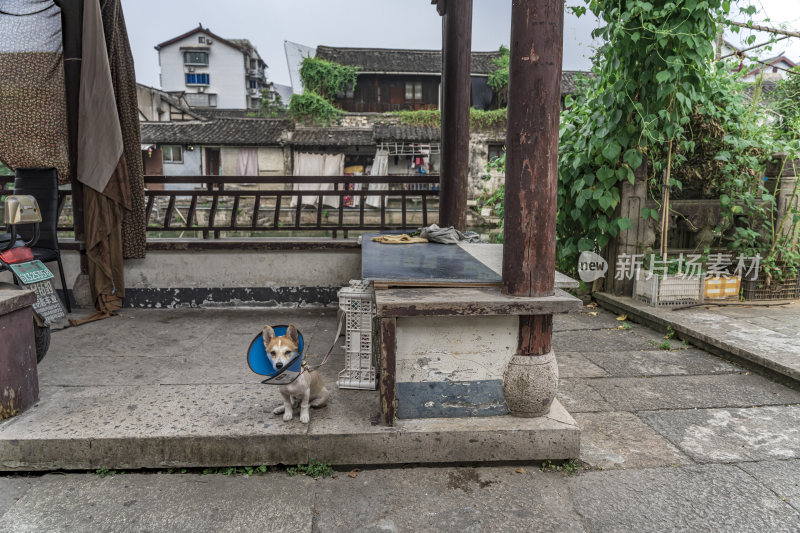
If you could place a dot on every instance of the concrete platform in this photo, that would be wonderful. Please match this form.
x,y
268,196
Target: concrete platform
x,y
170,388
763,338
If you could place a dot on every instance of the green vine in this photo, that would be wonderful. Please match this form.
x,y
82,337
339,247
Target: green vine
x,y
498,77
327,78
657,98
269,107
479,120
651,75
309,106
322,81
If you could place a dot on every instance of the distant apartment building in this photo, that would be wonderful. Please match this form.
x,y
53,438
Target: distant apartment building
x,y
209,71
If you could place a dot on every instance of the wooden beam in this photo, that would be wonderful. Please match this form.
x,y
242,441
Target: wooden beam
x,y
72,39
456,60
532,162
388,360
767,29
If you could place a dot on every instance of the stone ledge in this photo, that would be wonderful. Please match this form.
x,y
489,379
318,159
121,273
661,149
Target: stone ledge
x,y
469,302
431,440
786,370
247,245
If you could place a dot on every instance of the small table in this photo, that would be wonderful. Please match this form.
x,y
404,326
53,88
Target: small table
x,y
437,265
447,331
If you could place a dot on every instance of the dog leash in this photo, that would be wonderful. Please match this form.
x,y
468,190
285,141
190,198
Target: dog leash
x,y
342,315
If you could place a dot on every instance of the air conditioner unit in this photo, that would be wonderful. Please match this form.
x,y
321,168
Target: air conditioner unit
x,y
191,69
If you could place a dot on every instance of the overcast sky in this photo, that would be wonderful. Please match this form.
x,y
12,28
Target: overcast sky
x,y
366,23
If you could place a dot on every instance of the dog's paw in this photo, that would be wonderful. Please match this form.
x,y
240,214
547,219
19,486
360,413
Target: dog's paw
x,y
305,417
287,416
278,410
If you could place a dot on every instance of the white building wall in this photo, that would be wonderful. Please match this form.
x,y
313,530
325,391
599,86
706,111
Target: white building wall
x,y
226,69
189,167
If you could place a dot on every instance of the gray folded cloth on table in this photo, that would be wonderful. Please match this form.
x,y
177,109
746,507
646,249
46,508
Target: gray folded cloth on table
x,y
448,235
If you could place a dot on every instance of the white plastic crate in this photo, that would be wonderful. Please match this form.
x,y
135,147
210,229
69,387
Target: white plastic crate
x,y
665,290
356,302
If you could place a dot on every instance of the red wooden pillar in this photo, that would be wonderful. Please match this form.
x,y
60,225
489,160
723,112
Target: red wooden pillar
x,y
456,63
531,191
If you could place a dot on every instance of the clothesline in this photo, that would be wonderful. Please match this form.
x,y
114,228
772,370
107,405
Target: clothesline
x,y
422,149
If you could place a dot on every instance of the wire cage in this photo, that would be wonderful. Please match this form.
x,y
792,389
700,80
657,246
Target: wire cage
x,y
788,289
666,290
357,303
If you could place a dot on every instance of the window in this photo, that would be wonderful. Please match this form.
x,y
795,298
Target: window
x,y
195,58
495,151
173,153
414,91
197,79
254,84
201,99
201,39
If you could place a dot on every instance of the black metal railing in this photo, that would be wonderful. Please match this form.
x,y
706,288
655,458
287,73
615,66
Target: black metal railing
x,y
212,205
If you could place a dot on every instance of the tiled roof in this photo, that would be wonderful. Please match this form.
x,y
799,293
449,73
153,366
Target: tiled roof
x,y
224,131
212,113
405,133
332,137
569,80
396,60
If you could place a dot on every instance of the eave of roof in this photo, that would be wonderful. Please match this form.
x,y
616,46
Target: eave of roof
x,y
224,131
394,60
199,29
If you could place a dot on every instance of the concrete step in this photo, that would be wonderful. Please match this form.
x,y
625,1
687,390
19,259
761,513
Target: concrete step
x,y
84,428
763,339
171,388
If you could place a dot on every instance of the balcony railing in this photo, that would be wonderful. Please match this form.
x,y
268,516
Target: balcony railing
x,y
219,206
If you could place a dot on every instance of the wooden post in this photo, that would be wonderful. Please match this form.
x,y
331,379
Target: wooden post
x,y
456,62
628,242
72,39
529,252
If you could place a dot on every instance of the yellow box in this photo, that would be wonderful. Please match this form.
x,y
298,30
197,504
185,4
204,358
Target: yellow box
x,y
722,288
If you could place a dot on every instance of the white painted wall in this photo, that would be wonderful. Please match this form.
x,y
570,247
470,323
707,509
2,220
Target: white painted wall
x,y
229,163
472,348
189,167
238,268
270,161
226,69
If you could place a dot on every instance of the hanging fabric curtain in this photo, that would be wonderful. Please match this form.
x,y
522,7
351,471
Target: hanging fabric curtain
x,y
109,164
34,129
123,79
247,162
33,107
380,167
317,165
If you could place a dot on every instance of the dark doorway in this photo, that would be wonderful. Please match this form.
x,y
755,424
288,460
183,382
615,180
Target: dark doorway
x,y
153,165
212,161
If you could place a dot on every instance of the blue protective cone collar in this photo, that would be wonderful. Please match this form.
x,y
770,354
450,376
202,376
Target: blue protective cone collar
x,y
261,364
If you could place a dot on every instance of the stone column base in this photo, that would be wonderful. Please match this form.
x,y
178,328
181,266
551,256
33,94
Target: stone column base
x,y
530,383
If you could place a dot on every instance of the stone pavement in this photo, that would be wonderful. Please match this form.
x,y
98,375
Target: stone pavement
x,y
672,440
765,337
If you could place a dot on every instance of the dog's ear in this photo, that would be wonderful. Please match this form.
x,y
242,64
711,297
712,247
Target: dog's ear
x,y
291,332
268,334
